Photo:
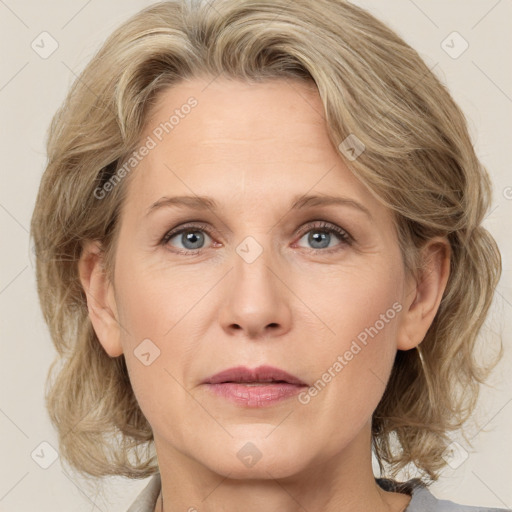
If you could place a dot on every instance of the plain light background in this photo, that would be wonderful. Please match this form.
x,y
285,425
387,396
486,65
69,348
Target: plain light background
x,y
33,87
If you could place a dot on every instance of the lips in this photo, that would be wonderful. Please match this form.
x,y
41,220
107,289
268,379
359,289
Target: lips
x,y
261,374
260,387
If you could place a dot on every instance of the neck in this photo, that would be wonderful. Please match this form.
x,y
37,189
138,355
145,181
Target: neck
x,y
343,482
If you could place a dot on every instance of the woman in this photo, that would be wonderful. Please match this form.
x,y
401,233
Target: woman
x,y
263,261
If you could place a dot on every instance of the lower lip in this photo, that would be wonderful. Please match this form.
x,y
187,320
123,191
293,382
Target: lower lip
x,y
259,395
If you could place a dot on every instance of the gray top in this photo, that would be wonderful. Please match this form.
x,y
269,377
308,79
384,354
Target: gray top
x,y
422,500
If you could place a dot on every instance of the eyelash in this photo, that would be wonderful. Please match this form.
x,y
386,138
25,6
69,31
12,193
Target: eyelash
x,y
325,227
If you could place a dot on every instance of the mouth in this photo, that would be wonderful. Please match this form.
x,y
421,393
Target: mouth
x,y
259,375
258,387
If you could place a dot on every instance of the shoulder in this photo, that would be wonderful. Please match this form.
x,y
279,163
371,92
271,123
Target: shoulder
x,y
146,500
422,500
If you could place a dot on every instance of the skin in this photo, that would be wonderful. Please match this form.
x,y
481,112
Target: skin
x,y
254,149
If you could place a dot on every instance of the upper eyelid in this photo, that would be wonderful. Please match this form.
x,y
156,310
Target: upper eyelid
x,y
305,228
328,226
202,226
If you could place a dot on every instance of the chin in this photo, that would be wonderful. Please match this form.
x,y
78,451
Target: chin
x,y
261,457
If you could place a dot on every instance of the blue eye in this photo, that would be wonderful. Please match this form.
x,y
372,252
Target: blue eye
x,y
319,236
191,237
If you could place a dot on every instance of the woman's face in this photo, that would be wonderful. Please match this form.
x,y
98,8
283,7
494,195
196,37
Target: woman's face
x,y
262,276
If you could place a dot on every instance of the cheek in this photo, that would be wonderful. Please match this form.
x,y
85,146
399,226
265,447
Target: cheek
x,y
360,302
354,357
158,310
152,301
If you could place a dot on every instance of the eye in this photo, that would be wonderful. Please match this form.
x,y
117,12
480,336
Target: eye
x,y
192,237
321,234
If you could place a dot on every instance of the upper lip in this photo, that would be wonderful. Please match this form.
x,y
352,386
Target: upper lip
x,y
259,374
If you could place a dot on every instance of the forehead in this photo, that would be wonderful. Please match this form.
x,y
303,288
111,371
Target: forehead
x,y
260,142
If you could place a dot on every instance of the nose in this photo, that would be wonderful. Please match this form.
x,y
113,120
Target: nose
x,y
256,301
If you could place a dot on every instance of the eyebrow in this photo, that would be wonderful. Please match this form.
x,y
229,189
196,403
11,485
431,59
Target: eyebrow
x,y
298,203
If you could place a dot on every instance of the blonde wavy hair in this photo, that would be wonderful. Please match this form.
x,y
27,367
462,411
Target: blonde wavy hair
x,y
418,160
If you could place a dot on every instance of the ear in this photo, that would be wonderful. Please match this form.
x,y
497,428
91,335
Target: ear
x,y
100,298
424,295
